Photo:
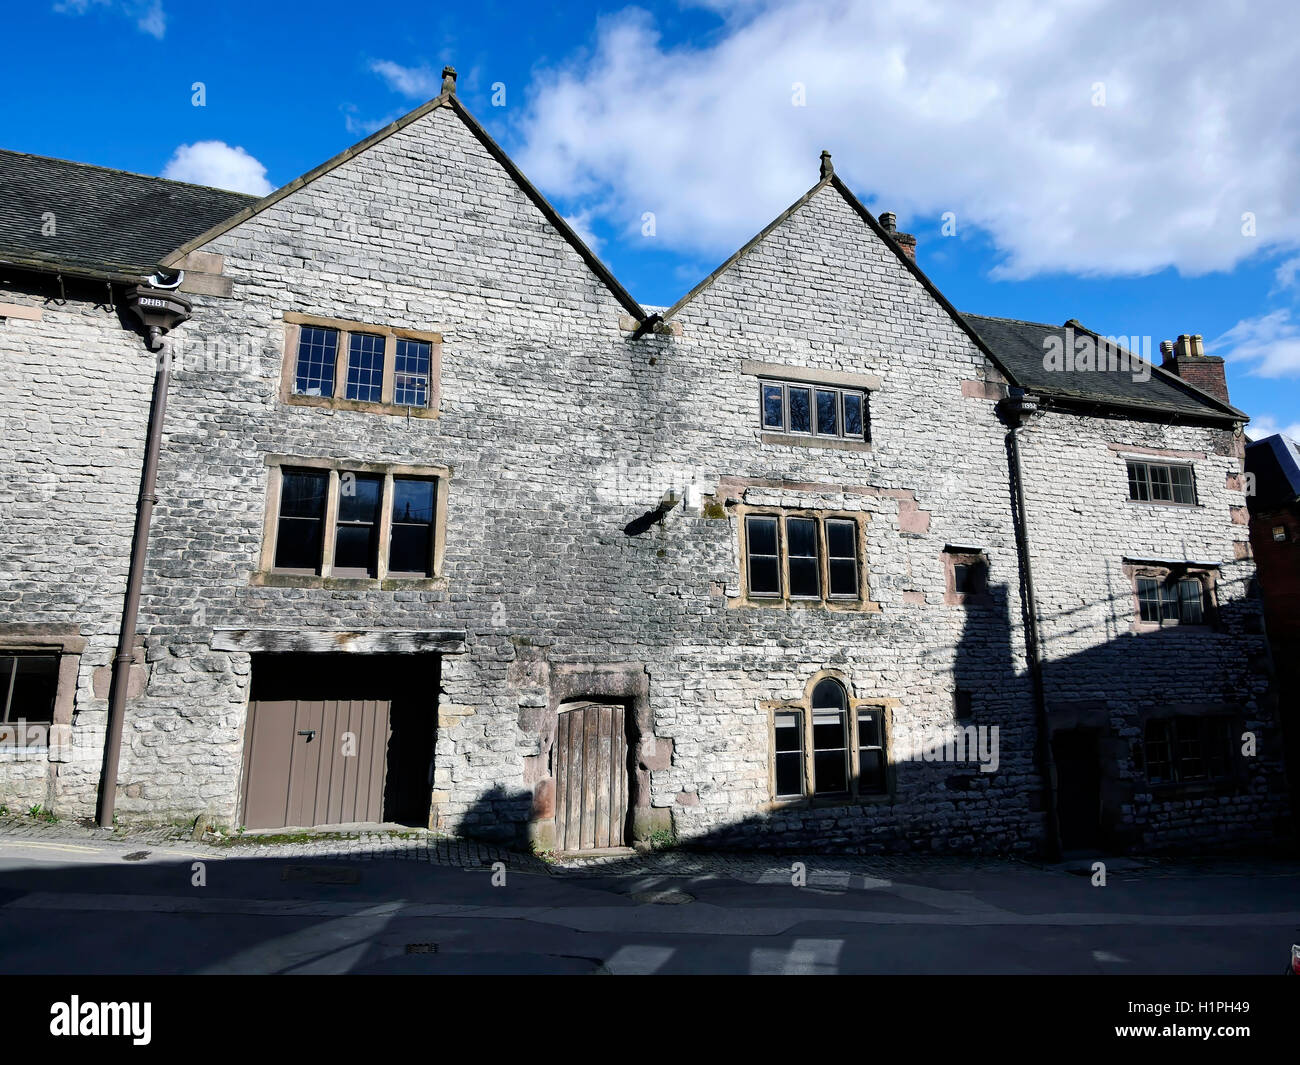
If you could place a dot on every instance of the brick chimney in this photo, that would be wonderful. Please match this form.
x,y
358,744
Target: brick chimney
x,y
1186,357
889,222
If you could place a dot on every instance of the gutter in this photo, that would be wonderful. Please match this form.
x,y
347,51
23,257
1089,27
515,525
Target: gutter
x,y
159,310
1017,410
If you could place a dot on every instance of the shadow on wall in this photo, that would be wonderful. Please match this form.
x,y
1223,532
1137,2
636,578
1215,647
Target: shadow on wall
x,y
1100,703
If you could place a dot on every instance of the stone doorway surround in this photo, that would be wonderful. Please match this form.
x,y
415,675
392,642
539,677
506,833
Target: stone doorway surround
x,y
625,683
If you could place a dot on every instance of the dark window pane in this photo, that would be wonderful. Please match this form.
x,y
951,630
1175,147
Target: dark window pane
x,y
828,413
412,501
411,549
411,366
802,536
1161,488
317,353
789,754
299,537
773,415
830,773
828,730
764,576
960,577
1149,599
869,728
762,535
1138,487
829,694
1181,481
359,497
871,772
302,494
30,682
1191,608
841,539
354,548
365,367
852,414
800,409
1169,610
805,581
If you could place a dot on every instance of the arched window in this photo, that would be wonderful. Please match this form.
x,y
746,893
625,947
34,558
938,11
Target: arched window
x,y
830,713
842,751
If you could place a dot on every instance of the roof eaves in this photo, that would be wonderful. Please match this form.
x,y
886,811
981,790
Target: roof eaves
x,y
746,248
552,215
256,208
124,272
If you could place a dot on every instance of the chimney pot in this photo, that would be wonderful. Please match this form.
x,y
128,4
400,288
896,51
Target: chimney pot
x,y
827,168
889,222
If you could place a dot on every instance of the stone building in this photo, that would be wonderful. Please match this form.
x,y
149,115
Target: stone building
x,y
450,530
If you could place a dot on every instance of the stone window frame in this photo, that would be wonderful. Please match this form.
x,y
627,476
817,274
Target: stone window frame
x,y
1229,782
1165,572
955,555
777,373
862,602
803,707
68,644
293,323
268,576
1167,462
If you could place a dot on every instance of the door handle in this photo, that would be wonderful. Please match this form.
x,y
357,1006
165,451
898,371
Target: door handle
x,y
310,733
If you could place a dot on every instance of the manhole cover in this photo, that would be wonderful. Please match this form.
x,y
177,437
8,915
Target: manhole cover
x,y
135,856
320,874
421,948
666,897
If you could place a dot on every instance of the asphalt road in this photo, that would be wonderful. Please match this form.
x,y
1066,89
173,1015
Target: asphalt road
x,y
106,908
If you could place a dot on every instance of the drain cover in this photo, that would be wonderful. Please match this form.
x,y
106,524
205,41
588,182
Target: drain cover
x,y
320,874
421,948
665,897
135,856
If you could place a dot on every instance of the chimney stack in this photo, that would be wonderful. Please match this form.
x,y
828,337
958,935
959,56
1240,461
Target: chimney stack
x,y
448,81
1186,357
889,223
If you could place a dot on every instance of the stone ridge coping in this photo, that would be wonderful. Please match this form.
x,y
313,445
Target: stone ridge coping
x,y
811,375
355,641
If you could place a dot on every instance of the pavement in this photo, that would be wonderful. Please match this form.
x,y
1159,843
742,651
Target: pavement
x,y
75,899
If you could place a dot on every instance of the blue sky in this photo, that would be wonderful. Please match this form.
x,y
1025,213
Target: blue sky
x,y
1136,169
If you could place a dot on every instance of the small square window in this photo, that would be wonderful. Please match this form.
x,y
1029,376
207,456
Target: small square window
x,y
28,685
1160,483
1279,533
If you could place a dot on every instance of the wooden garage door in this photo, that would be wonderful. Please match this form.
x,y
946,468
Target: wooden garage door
x,y
314,762
590,776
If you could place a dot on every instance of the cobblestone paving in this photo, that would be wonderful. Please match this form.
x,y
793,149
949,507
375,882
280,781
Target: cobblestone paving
x,y
417,845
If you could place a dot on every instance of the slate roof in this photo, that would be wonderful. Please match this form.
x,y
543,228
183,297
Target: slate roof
x,y
1019,348
107,223
1275,462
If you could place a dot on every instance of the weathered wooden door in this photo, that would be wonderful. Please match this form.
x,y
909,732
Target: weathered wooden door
x,y
590,776
314,762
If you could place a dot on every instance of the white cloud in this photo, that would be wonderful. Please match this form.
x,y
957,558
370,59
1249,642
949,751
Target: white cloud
x,y
1286,273
217,164
940,105
1271,343
1263,425
148,14
363,127
421,83
581,223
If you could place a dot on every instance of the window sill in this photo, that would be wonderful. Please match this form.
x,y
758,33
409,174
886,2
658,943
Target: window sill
x,y
833,443
386,584
1198,790
335,403
1145,627
1163,503
843,606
